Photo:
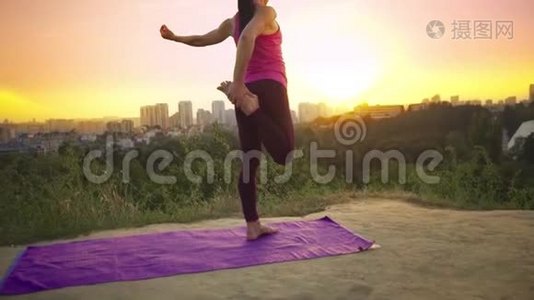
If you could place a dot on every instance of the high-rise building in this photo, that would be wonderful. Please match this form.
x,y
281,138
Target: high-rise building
x,y
155,115
531,94
380,111
229,118
90,127
162,115
32,128
136,122
185,109
417,107
218,111
436,99
113,127
308,112
148,116
7,132
127,126
455,100
60,125
204,117
174,120
143,116
510,100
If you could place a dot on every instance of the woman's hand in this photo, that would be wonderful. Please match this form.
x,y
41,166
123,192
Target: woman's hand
x,y
236,92
166,33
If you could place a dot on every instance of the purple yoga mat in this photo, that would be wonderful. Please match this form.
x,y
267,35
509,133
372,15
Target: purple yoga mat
x,y
172,253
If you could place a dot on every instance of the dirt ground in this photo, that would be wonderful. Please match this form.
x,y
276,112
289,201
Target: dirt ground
x,y
426,254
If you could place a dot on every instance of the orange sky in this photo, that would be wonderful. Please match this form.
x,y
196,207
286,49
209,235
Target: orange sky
x,y
94,58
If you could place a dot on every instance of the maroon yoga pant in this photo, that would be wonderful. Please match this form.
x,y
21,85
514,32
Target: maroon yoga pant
x,y
272,126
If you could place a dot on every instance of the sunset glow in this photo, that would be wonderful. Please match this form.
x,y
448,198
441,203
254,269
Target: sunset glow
x,y
95,58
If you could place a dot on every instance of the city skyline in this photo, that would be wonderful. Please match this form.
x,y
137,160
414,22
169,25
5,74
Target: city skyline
x,y
98,58
160,115
154,119
320,108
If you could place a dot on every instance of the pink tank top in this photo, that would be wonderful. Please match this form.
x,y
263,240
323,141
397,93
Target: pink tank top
x,y
267,61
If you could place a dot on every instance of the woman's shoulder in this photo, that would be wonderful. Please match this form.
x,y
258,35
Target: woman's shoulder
x,y
267,11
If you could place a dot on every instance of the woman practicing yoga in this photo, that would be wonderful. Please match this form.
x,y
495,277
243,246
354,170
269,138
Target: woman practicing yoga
x,y
259,93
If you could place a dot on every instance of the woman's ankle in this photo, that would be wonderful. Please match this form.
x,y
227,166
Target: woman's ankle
x,y
252,223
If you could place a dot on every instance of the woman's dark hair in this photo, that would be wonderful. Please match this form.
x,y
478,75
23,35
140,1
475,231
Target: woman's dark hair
x,y
246,12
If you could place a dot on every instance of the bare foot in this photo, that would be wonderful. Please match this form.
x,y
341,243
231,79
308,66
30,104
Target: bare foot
x,y
255,231
248,104
224,87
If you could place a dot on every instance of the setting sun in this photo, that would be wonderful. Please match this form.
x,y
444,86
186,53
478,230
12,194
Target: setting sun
x,y
78,63
345,75
267,149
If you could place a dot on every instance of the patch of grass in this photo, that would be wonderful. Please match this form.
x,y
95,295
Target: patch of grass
x,y
74,217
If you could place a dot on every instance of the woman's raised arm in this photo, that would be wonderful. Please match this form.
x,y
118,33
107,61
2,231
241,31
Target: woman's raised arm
x,y
213,37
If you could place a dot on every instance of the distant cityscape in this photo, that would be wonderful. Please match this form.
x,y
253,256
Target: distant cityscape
x,y
157,119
